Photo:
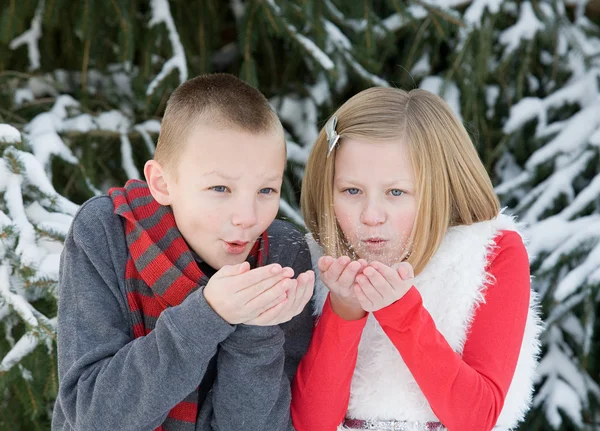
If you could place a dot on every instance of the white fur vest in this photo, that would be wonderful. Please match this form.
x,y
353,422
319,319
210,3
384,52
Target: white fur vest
x,y
382,385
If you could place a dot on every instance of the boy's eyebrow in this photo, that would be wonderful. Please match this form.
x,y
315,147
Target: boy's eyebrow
x,y
275,177
221,174
228,177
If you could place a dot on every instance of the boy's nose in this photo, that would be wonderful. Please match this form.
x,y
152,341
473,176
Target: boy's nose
x,y
244,216
373,214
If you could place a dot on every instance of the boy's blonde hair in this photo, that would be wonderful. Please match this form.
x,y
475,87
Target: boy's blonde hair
x,y
220,100
452,185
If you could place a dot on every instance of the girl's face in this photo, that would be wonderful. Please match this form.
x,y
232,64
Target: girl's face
x,y
374,198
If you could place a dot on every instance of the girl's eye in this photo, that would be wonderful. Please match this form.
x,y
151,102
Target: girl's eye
x,y
267,191
352,191
396,192
219,189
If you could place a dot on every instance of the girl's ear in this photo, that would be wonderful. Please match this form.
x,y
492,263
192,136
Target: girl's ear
x,y
157,182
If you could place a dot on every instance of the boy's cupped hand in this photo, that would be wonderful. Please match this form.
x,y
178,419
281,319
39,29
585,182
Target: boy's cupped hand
x,y
357,287
262,296
298,295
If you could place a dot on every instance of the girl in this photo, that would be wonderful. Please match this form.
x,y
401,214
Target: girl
x,y
426,318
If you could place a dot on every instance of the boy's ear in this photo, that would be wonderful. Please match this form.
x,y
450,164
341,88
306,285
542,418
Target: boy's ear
x,y
157,182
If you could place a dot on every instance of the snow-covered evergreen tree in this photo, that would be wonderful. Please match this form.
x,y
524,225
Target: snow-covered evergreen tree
x,y
83,85
550,175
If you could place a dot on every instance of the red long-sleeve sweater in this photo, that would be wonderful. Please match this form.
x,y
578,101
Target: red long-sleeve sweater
x,y
465,392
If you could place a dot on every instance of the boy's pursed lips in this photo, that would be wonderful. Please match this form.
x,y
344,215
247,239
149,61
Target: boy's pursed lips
x,y
235,246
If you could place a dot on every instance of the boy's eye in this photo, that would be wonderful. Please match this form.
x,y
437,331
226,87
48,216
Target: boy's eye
x,y
267,191
220,189
396,192
352,191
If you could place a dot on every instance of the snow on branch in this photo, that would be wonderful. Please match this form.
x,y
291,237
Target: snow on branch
x,y
570,150
9,134
15,301
560,182
45,130
390,24
565,383
43,133
307,45
525,29
474,12
31,37
341,43
161,13
115,121
32,230
26,344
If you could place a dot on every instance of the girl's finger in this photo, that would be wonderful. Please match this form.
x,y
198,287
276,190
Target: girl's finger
x,y
391,275
378,281
406,271
347,277
324,263
335,270
363,300
368,289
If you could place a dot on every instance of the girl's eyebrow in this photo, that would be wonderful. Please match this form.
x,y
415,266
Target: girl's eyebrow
x,y
398,180
387,184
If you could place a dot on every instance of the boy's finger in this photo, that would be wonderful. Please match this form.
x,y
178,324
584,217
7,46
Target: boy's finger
x,y
256,275
249,293
308,289
308,277
230,270
292,291
279,299
261,302
268,317
304,282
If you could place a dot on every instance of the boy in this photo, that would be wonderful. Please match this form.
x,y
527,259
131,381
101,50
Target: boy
x,y
162,323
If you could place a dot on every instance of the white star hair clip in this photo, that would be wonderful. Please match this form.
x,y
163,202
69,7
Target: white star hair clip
x,y
332,136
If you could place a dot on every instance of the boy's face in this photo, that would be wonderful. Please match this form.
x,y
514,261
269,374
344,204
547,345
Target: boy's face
x,y
226,191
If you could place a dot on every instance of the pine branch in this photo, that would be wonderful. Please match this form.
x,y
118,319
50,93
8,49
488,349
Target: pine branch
x,y
161,13
15,301
31,37
305,43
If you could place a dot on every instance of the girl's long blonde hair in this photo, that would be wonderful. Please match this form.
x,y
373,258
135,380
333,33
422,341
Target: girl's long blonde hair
x,y
452,185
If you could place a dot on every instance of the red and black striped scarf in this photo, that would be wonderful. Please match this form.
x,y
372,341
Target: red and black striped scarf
x,y
161,272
